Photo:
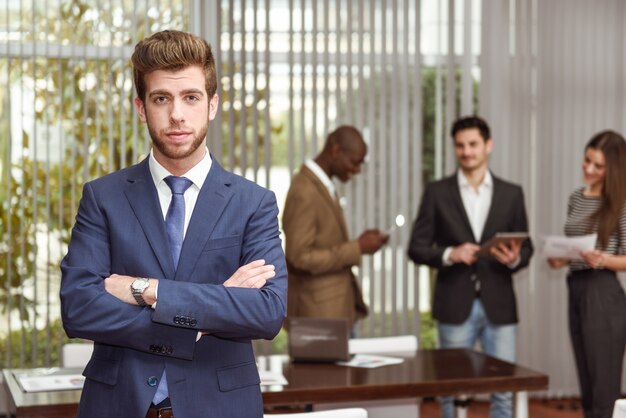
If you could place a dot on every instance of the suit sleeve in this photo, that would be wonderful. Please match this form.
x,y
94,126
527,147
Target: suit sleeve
x,y
422,244
87,310
301,225
229,312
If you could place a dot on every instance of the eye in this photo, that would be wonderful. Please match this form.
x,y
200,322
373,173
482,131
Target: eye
x,y
193,98
160,99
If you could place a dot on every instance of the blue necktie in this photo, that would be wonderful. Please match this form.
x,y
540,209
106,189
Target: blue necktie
x,y
175,225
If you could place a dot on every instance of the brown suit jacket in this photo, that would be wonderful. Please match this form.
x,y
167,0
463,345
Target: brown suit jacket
x,y
319,253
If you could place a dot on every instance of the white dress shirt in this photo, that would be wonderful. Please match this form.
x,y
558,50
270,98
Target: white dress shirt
x,y
197,175
321,174
476,203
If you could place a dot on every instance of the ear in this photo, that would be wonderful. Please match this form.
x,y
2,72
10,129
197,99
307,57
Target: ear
x,y
141,110
489,144
213,105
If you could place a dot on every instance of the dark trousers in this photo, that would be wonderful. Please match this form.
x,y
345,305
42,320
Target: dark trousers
x,y
597,323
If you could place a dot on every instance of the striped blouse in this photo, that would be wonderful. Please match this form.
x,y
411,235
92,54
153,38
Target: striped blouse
x,y
579,209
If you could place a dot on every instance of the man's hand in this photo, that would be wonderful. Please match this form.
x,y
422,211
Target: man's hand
x,y
371,240
507,253
252,275
464,253
119,286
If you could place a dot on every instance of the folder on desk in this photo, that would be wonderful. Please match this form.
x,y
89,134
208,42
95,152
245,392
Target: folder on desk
x,y
318,339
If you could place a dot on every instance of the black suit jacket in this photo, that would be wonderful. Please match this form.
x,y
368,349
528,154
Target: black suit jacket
x,y
442,222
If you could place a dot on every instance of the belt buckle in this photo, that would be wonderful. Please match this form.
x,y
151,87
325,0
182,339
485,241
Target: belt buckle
x,y
169,408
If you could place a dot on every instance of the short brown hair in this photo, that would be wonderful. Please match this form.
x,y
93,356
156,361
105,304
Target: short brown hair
x,y
469,122
172,50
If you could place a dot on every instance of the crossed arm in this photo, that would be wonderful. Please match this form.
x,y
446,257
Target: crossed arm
x,y
253,275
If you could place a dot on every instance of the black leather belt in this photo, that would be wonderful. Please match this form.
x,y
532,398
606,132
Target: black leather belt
x,y
155,412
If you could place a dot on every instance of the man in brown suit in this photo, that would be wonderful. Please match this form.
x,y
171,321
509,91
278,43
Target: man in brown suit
x,y
319,252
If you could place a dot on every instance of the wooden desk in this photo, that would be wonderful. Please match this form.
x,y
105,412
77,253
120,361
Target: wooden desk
x,y
57,404
456,372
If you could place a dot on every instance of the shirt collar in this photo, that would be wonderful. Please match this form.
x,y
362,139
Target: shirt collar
x,y
321,174
464,184
197,174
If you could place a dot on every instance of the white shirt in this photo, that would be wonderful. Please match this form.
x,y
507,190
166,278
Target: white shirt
x,y
321,174
476,203
197,175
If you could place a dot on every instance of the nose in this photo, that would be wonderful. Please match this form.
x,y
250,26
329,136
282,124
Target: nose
x,y
176,115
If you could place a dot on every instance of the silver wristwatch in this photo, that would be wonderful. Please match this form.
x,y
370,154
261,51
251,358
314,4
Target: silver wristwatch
x,y
137,288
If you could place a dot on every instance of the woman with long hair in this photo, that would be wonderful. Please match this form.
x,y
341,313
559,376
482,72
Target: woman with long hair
x,y
597,304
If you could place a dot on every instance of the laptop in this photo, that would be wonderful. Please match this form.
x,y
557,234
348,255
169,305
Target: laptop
x,y
320,340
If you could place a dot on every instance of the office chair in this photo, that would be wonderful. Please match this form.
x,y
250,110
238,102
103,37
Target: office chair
x,y
76,354
619,410
333,413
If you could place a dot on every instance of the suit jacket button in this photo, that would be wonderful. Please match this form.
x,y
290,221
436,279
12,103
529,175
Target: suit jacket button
x,y
194,322
152,381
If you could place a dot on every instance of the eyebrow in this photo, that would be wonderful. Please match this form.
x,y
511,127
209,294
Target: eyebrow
x,y
161,92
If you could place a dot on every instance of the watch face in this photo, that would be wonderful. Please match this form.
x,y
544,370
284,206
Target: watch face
x,y
140,285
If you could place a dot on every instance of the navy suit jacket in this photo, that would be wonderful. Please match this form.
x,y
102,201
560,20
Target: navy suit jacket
x,y
120,229
442,222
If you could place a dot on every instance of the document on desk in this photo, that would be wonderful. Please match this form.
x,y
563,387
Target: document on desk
x,y
370,361
272,378
50,380
556,246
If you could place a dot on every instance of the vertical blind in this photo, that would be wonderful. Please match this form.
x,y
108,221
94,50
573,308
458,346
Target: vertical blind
x,y
290,71
553,75
66,117
321,65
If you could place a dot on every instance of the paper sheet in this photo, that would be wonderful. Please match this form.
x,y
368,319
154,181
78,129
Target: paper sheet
x,y
272,378
370,361
556,246
57,379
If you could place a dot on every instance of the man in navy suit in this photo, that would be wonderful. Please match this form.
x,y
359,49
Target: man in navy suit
x,y
474,297
172,320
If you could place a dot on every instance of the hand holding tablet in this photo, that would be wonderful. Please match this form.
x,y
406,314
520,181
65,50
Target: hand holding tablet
x,y
502,238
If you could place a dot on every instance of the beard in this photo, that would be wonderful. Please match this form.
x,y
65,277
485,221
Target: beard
x,y
177,152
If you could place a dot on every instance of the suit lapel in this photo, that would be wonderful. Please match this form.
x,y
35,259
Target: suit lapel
x,y
144,201
330,200
212,201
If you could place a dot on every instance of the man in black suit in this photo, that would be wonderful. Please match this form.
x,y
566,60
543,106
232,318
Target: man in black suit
x,y
474,297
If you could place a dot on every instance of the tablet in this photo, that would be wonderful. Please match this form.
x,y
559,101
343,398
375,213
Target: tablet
x,y
502,237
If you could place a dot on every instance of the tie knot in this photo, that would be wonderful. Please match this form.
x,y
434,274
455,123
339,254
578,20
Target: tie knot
x,y
178,185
